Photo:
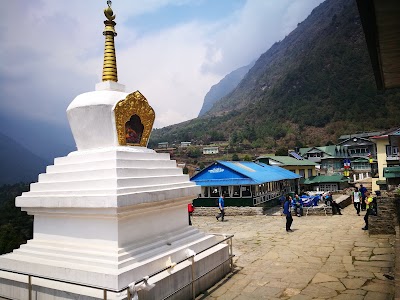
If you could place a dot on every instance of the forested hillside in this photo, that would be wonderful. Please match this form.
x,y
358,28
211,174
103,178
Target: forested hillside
x,y
16,227
307,89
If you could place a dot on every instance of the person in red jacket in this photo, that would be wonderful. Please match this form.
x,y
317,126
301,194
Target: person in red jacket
x,y
190,212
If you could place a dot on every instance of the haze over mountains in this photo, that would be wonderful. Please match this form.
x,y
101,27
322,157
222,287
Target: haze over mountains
x,y
223,88
18,164
26,148
307,89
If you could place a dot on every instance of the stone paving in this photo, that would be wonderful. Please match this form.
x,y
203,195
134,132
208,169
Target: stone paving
x,y
325,257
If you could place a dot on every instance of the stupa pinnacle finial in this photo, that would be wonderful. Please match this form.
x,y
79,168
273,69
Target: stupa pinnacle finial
x,y
110,60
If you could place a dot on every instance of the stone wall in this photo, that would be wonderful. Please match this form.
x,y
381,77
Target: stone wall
x,y
343,200
397,248
386,219
397,260
397,201
229,211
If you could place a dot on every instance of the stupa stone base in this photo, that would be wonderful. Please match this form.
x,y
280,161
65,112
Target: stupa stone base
x,y
15,286
213,263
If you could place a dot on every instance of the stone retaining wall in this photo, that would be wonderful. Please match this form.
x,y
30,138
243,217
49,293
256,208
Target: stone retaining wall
x,y
386,219
397,201
342,200
397,248
397,262
229,211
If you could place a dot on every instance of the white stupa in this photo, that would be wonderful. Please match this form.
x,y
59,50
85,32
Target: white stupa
x,y
114,211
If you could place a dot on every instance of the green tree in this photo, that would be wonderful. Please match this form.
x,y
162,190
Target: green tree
x,y
185,170
281,151
193,152
235,157
10,238
247,158
16,227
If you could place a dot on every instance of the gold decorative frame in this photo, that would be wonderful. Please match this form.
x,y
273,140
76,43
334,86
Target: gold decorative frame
x,y
134,103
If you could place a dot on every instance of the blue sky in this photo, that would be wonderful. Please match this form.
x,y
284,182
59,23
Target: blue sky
x,y
173,51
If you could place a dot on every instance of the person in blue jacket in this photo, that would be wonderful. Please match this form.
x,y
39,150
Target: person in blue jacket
x,y
221,206
363,190
297,204
287,213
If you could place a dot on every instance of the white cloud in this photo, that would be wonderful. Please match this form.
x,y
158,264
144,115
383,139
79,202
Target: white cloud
x,y
166,68
252,30
53,52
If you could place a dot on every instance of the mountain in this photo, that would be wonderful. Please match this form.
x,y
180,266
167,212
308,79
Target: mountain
x,y
308,89
41,138
223,88
18,164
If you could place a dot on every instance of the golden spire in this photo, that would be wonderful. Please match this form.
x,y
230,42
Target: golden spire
x,y
110,60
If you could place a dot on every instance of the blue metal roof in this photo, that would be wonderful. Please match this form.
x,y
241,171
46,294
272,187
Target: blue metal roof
x,y
241,173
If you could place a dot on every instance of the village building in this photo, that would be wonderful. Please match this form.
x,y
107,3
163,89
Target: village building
x,y
358,153
163,145
210,150
243,183
330,158
185,144
325,183
303,167
388,160
363,135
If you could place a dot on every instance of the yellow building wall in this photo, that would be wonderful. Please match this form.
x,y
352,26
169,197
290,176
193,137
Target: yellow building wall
x,y
381,158
296,169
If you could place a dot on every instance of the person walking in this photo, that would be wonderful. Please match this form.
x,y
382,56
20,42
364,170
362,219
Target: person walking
x,y
356,198
221,206
288,213
368,207
363,191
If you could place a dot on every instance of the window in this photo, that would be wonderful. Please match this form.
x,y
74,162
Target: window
x,y
392,151
264,188
246,192
214,191
328,187
310,172
361,166
301,173
205,191
338,165
225,190
236,191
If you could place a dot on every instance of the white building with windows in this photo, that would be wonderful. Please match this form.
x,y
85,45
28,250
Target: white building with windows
x,y
185,144
210,150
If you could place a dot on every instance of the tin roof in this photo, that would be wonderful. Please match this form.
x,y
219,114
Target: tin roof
x,y
324,179
290,161
391,172
240,173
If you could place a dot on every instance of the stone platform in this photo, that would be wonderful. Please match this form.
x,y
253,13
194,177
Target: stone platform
x,y
324,258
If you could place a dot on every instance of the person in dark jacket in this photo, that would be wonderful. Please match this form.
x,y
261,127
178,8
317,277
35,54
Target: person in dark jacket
x,y
287,213
363,190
